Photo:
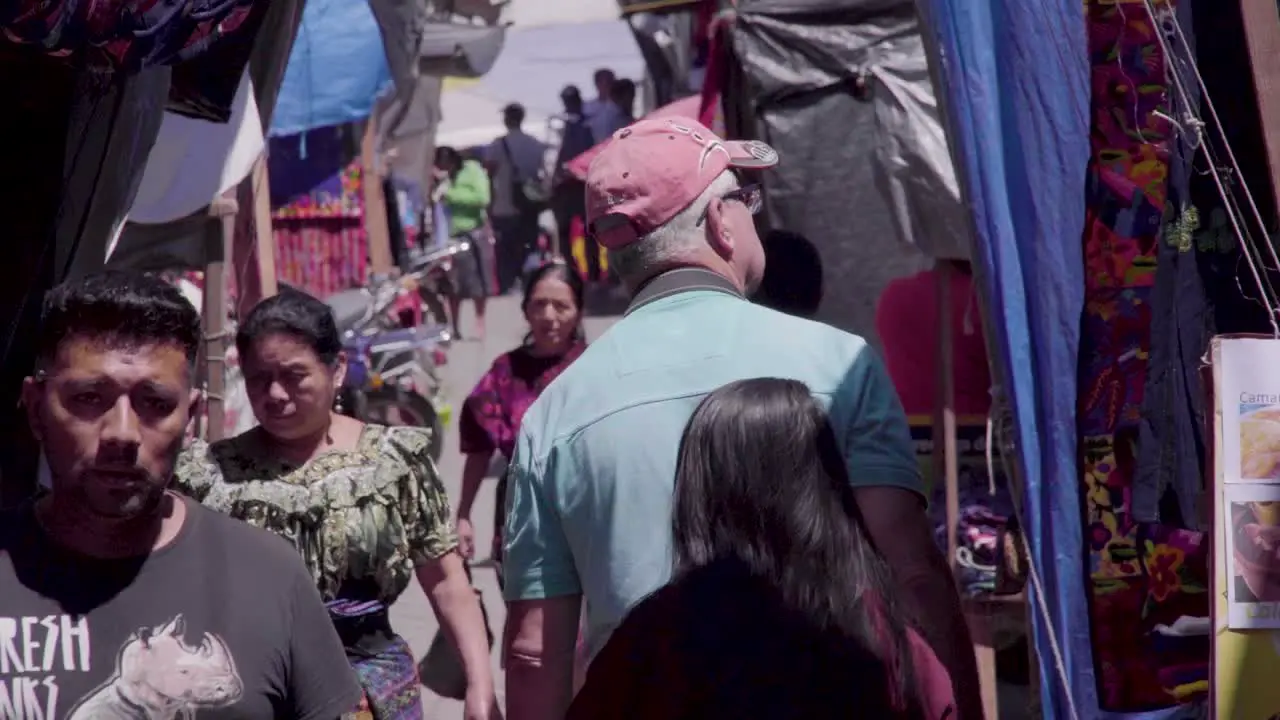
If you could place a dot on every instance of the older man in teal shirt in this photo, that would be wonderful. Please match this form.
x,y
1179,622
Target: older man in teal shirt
x,y
591,482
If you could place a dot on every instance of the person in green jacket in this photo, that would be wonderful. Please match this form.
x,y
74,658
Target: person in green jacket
x,y
463,189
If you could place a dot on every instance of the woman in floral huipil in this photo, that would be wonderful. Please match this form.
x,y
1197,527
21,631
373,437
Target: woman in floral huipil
x,y
491,414
363,504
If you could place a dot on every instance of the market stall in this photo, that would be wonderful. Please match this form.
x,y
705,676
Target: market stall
x,y
1094,170
88,99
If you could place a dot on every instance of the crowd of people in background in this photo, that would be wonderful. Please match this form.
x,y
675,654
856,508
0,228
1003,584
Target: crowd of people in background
x,y
496,194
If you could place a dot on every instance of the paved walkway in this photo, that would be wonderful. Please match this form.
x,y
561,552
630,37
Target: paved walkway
x,y
412,615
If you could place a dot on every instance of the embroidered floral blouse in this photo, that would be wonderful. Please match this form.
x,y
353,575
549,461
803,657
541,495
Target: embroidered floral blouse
x,y
362,519
492,412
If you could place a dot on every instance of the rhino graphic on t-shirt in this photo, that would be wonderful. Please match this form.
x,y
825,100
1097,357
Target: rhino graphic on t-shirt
x,y
159,676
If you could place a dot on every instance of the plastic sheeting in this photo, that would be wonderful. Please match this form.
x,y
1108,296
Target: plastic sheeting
x,y
878,56
193,161
333,34
459,50
1015,74
800,62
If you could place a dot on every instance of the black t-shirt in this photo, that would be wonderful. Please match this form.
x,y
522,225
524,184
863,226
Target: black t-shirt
x,y
222,624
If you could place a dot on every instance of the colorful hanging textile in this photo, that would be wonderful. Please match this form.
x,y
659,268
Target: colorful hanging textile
x,y
1139,575
318,215
125,36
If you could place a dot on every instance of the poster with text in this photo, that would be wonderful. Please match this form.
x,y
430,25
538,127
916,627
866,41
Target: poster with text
x,y
1249,400
1243,488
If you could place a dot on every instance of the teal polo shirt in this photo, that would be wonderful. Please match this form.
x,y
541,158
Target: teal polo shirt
x,y
590,485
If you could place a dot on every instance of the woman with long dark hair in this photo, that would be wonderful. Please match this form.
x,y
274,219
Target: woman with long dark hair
x,y
779,607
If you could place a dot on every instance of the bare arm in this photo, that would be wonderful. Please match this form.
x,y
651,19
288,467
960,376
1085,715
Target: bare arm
x,y
896,522
458,608
540,642
473,472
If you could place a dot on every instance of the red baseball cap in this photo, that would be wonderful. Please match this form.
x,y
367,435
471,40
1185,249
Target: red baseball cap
x,y
652,169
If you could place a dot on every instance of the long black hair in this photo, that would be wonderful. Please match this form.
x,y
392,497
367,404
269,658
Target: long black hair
x,y
761,483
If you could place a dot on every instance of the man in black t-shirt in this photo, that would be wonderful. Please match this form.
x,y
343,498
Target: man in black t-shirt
x,y
119,599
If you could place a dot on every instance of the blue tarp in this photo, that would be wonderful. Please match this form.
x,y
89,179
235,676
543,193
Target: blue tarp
x,y
1013,78
337,68
1014,81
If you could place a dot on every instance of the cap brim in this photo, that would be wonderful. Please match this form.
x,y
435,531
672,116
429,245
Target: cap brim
x,y
613,230
751,154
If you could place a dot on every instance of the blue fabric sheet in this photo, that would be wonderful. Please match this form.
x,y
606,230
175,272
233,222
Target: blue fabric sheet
x,y
1014,84
337,68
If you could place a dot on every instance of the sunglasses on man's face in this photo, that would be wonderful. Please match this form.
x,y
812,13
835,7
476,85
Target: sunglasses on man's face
x,y
748,195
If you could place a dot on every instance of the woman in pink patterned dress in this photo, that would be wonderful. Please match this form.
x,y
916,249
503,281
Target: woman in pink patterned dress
x,y
491,414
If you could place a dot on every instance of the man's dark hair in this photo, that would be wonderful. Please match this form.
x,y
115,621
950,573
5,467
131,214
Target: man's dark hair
x,y
513,115
792,280
572,98
448,158
623,94
602,76
120,308
296,314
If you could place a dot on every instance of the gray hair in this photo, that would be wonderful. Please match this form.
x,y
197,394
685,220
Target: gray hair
x,y
677,240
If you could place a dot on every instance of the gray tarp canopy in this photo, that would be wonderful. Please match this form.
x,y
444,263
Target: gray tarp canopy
x,y
459,50
885,163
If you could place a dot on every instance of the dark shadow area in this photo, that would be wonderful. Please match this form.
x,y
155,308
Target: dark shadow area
x,y
720,643
792,274
606,301
78,584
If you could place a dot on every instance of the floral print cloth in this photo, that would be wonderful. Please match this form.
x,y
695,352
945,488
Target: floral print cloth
x,y
1139,574
492,412
362,519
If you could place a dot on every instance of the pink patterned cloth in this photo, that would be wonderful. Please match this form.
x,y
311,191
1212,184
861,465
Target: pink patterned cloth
x,y
492,412
321,244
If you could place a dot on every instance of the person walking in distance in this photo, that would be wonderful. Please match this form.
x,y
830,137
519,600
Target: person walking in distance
x,y
623,95
673,205
491,414
514,159
463,190
596,110
568,192
148,605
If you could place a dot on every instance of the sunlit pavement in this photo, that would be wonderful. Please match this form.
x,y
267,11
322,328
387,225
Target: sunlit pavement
x,y
412,616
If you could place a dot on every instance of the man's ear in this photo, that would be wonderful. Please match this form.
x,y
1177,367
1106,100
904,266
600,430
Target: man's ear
x,y
32,402
194,409
720,229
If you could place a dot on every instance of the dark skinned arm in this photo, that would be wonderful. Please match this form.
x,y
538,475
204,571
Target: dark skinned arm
x,y
897,525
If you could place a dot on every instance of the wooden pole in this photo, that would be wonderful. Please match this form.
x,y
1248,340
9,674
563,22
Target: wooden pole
x,y
946,467
1262,34
376,225
223,212
253,250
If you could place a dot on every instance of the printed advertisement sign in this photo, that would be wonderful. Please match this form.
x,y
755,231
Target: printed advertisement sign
x,y
1248,510
1244,489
